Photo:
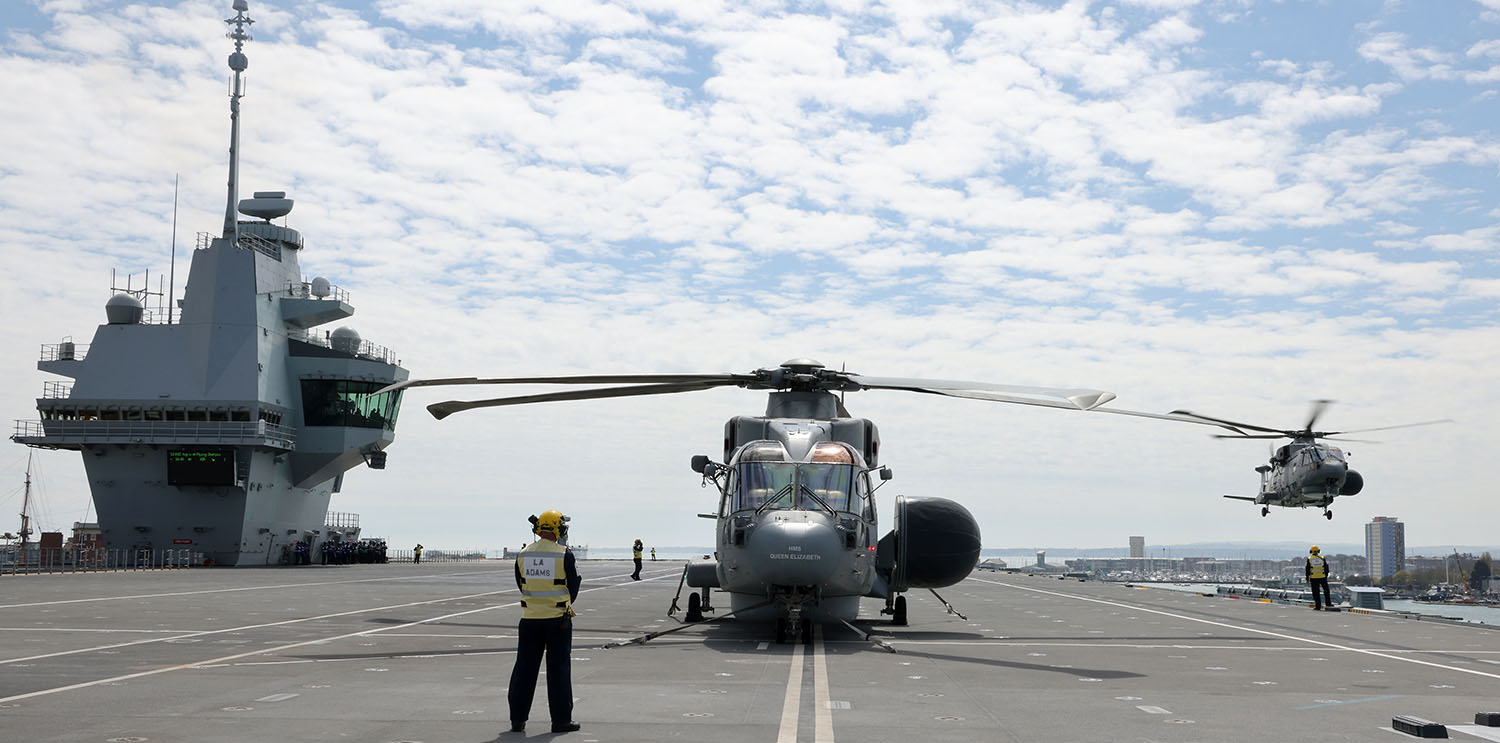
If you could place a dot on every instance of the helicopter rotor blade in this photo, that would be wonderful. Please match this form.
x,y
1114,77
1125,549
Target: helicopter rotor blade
x,y
1234,424
576,379
1251,436
1173,417
1317,412
1053,397
1325,434
441,410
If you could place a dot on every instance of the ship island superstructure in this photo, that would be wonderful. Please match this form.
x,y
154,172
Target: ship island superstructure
x,y
223,428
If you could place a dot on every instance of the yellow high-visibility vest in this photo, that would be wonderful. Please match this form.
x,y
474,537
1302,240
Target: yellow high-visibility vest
x,y
544,580
637,550
1319,567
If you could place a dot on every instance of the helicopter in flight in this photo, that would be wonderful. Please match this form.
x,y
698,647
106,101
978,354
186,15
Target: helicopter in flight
x,y
1303,473
795,535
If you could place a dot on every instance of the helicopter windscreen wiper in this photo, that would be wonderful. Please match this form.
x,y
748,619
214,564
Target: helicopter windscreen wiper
x,y
817,500
784,492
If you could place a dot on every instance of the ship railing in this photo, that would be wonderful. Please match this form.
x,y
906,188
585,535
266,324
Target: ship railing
x,y
341,520
65,351
365,349
56,390
253,433
439,555
260,245
304,290
55,560
247,242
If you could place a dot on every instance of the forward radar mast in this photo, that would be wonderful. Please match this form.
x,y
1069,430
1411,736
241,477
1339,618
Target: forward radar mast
x,y
237,62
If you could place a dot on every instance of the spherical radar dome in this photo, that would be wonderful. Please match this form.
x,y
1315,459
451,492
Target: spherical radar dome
x,y
344,339
123,309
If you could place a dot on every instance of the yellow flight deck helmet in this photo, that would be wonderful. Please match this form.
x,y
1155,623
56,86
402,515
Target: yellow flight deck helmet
x,y
1313,549
551,521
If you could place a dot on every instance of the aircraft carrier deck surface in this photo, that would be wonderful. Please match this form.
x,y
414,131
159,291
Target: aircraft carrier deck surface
x,y
423,653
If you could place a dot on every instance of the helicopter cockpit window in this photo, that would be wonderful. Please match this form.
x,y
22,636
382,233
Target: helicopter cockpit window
x,y
765,484
825,484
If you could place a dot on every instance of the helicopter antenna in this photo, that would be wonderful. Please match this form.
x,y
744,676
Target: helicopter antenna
x,y
237,62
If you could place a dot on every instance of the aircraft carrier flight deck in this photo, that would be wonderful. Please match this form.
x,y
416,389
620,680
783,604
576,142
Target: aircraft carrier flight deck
x,y
407,652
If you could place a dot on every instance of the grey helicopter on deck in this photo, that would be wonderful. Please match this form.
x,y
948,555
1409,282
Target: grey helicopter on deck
x,y
795,534
1303,473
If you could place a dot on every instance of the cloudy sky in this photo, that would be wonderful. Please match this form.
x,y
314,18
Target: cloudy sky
x,y
1231,206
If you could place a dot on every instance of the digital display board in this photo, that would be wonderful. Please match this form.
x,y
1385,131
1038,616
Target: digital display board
x,y
200,467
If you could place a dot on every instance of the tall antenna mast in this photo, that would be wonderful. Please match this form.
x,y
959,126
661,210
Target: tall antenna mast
x,y
25,508
237,62
172,267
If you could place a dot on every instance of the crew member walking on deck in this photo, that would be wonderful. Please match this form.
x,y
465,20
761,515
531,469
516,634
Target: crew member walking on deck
x,y
637,548
653,554
416,554
548,578
1317,577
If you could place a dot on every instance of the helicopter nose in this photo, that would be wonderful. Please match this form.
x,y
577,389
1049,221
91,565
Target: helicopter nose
x,y
794,553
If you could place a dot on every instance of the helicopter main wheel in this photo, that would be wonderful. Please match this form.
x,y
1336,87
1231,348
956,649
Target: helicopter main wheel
x,y
781,631
1328,515
898,616
807,632
695,608
1265,511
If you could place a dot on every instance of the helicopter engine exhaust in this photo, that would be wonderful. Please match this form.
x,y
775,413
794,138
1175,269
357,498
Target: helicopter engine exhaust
x,y
934,543
1353,483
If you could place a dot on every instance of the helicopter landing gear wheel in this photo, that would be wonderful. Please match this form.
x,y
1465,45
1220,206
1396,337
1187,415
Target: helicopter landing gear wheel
x,y
695,608
898,615
807,633
781,631
1265,511
1328,515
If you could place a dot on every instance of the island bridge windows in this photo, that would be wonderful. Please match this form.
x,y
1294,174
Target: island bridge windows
x,y
142,414
344,402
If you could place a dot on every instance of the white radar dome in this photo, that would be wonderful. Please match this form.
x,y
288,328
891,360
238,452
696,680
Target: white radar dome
x,y
320,287
344,339
123,309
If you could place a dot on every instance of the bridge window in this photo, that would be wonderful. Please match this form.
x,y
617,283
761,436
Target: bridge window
x,y
343,402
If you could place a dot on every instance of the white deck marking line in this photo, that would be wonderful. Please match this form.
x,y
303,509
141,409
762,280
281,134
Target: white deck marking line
x,y
278,648
282,585
1478,731
822,711
228,590
791,707
1293,638
185,634
1151,709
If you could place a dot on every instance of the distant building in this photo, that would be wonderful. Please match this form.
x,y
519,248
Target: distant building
x,y
1041,558
1137,546
1385,546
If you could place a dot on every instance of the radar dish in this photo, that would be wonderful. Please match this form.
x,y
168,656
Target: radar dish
x,y
320,287
266,205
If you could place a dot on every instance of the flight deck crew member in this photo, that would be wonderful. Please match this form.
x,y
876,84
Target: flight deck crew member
x,y
548,578
1317,577
416,554
653,554
637,548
